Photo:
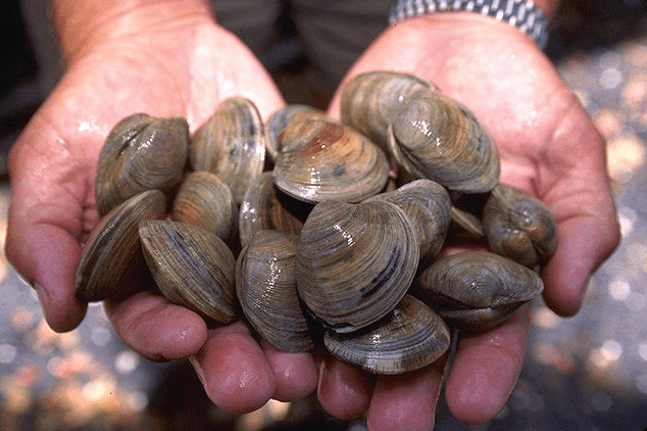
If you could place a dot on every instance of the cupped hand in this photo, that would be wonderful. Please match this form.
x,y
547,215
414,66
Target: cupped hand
x,y
182,67
548,147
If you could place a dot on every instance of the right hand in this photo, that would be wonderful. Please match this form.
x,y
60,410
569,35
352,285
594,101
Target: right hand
x,y
165,67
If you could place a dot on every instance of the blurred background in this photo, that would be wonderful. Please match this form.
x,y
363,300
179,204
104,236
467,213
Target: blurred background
x,y
588,372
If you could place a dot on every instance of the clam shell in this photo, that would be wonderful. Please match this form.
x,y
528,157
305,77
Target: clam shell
x,y
267,291
410,337
191,267
291,113
476,290
204,201
323,160
266,207
355,262
435,137
113,251
140,153
231,144
519,226
428,206
369,101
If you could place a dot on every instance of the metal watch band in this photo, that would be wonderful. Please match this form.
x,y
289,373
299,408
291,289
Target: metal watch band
x,y
519,13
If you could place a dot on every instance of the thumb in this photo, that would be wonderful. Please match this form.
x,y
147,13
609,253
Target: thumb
x,y
45,224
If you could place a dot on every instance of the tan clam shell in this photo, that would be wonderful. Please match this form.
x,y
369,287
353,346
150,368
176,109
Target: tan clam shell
x,y
231,144
410,337
323,160
370,101
355,262
266,207
428,206
267,291
204,201
476,290
191,267
113,250
519,226
435,137
140,153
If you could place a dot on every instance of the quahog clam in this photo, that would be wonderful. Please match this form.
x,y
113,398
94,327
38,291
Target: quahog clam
x,y
267,291
140,153
410,337
231,144
428,206
370,101
476,290
203,200
191,267
113,251
323,160
355,262
292,113
519,226
435,137
266,207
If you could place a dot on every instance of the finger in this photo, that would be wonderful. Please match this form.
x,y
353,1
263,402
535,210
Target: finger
x,y
344,391
295,374
407,401
583,244
155,328
233,369
485,369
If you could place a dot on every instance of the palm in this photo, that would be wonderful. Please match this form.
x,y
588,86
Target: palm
x,y
548,146
186,72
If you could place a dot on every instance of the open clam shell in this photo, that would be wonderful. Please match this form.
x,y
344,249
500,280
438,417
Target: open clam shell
x,y
140,153
114,248
369,101
323,160
191,267
410,337
519,226
476,290
355,262
435,137
231,144
267,291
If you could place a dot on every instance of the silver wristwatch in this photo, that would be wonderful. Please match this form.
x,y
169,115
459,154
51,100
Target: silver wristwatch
x,y
519,13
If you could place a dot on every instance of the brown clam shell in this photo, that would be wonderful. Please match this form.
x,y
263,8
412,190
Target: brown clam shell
x,y
267,291
476,290
355,262
410,337
140,153
323,160
370,101
437,138
519,226
231,144
204,201
191,267
114,249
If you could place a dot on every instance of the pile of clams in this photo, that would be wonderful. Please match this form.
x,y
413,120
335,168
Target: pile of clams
x,y
319,232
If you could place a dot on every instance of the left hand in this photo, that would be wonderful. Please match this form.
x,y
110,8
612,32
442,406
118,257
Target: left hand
x,y
548,147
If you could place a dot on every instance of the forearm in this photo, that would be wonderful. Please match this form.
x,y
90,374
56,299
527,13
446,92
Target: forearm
x,y
83,24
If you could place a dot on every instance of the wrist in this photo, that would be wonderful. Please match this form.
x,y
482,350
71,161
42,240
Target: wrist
x,y
83,25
